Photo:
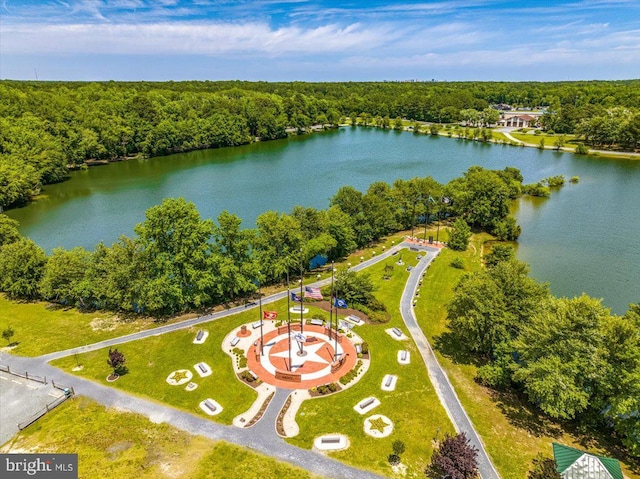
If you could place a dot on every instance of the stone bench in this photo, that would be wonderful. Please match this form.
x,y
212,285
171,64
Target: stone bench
x,y
397,332
358,348
254,375
256,325
200,335
368,402
317,322
389,382
403,357
210,406
366,405
235,341
354,319
203,369
330,443
330,440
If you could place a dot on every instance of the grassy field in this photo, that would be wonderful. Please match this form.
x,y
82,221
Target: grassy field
x,y
38,326
152,359
413,407
512,431
114,444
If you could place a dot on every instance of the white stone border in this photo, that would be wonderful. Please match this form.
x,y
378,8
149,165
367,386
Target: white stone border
x,y
186,379
215,408
374,432
289,423
389,382
202,369
393,332
205,335
371,403
331,442
407,357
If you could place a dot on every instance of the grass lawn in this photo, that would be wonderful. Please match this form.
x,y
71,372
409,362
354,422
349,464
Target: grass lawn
x,y
413,406
114,444
38,326
512,431
152,359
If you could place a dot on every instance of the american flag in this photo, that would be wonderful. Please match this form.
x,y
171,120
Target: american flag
x,y
313,293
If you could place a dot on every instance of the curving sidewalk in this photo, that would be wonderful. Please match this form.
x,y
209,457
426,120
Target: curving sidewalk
x,y
439,378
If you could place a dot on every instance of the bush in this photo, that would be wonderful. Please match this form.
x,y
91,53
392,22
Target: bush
x,y
457,263
365,348
574,179
555,181
247,376
455,457
507,229
582,149
319,316
398,447
543,468
347,378
242,362
394,459
536,189
327,388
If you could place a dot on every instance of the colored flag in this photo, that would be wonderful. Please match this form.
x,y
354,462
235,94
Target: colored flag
x,y
313,293
340,303
446,200
269,314
295,297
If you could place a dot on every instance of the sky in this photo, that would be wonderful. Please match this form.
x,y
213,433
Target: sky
x,y
289,40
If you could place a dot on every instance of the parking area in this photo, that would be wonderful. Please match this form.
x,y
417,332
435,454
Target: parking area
x,y
20,399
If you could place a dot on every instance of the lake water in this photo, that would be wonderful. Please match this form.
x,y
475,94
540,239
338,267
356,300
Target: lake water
x,y
582,239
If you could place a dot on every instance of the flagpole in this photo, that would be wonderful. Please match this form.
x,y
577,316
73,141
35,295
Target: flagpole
x,y
335,347
301,297
289,317
260,303
331,306
426,217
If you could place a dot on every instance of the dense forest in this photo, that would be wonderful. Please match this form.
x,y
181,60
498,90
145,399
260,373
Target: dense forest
x,y
48,127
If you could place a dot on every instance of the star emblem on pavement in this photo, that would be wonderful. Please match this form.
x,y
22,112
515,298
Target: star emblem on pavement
x,y
312,355
378,424
178,376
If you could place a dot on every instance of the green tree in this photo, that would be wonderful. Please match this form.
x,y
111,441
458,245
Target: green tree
x,y
176,251
21,267
63,274
278,244
459,235
543,468
8,230
355,288
397,124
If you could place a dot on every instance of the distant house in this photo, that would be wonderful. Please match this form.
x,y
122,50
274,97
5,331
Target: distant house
x,y
575,464
517,121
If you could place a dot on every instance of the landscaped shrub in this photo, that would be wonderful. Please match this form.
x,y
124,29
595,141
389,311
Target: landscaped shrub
x,y
242,362
347,378
365,348
457,263
575,179
394,459
398,447
327,388
247,376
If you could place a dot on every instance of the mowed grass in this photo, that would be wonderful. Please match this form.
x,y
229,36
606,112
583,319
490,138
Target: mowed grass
x,y
115,444
413,407
41,328
512,431
152,359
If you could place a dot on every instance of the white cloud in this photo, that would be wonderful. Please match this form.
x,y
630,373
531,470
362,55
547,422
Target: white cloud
x,y
188,38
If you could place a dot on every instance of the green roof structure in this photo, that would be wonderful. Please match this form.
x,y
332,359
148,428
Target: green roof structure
x,y
575,464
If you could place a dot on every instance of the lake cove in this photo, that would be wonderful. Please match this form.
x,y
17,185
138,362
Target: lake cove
x,y
582,239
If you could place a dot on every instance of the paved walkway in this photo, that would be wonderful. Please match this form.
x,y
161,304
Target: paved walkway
x,y
262,436
438,377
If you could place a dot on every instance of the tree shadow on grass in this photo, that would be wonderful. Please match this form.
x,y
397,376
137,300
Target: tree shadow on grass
x,y
523,415
451,347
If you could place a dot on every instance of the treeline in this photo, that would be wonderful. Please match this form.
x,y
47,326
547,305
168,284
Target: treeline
x,y
48,127
179,262
570,357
